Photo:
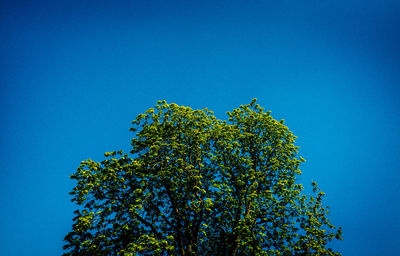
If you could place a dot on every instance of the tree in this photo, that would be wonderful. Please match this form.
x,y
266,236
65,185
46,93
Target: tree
x,y
196,185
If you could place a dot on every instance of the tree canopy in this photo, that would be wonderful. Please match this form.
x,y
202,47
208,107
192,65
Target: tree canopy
x,y
196,185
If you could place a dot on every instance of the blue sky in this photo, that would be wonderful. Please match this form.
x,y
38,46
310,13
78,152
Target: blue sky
x,y
74,74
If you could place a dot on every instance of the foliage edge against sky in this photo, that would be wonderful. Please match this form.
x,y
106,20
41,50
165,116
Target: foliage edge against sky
x,y
196,185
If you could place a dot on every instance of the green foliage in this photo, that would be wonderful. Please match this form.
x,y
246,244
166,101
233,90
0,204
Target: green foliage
x,y
196,185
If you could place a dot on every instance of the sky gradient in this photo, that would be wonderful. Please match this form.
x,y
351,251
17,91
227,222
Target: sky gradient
x,y
74,74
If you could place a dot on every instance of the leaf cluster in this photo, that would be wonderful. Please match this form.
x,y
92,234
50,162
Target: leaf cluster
x,y
196,185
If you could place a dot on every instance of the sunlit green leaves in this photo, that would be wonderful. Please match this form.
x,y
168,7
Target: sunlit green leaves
x,y
196,185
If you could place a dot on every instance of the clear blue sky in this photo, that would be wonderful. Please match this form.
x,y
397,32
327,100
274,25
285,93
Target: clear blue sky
x,y
74,74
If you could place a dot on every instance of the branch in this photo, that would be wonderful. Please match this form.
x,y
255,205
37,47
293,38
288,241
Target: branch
x,y
158,234
177,213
